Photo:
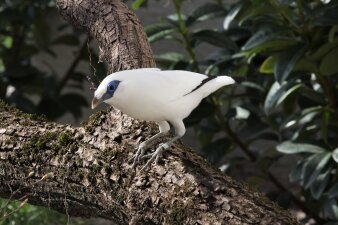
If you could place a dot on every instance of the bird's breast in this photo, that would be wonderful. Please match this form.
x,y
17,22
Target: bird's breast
x,y
140,108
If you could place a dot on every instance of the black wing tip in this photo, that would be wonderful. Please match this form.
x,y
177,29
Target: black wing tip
x,y
202,83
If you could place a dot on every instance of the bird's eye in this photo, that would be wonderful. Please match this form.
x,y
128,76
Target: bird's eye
x,y
112,86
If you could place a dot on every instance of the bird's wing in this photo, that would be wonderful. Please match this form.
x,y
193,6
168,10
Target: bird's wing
x,y
182,82
160,86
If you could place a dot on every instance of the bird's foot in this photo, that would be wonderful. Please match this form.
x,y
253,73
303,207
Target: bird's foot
x,y
138,155
155,156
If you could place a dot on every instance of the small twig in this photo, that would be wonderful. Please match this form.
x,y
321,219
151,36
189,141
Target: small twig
x,y
25,197
89,78
22,204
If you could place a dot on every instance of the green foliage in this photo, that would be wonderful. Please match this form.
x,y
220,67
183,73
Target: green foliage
x,y
26,35
28,215
287,52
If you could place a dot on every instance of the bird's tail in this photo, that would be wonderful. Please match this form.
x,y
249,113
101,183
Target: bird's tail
x,y
224,80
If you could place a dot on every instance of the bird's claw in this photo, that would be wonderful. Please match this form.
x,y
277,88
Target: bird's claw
x,y
135,158
154,156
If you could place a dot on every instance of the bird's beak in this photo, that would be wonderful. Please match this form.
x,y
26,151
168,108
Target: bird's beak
x,y
95,102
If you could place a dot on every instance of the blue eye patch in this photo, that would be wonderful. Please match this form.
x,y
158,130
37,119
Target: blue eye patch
x,y
111,88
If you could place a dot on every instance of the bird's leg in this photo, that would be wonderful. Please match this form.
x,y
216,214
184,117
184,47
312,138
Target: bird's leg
x,y
142,147
164,128
159,151
179,131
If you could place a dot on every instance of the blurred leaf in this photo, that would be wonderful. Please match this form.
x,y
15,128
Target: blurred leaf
x,y
289,147
306,115
2,68
31,215
335,155
288,93
158,32
259,11
263,36
319,185
242,113
137,4
312,95
174,19
326,115
272,97
66,39
278,93
238,34
240,70
305,65
327,14
268,65
170,57
323,50
331,209
333,191
332,33
228,20
314,167
286,61
205,12
329,65
252,85
7,42
215,38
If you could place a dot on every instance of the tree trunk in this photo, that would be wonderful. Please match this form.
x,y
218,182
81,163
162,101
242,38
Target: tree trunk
x,y
84,171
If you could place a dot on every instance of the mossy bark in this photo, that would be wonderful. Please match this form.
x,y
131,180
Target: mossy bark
x,y
86,167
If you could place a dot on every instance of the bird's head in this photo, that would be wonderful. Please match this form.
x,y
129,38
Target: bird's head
x,y
105,91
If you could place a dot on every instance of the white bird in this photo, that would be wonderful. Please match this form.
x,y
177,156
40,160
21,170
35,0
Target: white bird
x,y
164,97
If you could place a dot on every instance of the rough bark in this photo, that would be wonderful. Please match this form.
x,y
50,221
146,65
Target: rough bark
x,y
88,172
121,38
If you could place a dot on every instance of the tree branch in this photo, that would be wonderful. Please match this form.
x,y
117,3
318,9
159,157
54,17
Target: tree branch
x,y
122,41
84,171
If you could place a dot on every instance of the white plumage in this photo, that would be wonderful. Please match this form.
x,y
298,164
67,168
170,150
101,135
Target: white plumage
x,y
160,96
